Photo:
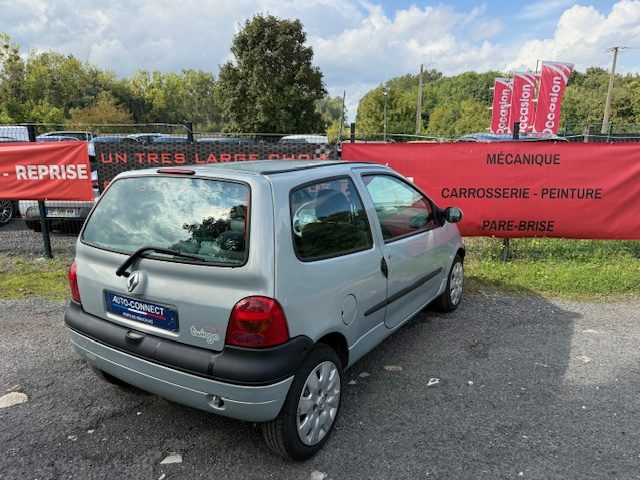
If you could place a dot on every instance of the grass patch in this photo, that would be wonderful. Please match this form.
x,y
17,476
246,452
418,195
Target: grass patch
x,y
572,269
34,277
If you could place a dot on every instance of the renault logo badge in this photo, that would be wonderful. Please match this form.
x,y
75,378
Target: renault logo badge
x,y
133,281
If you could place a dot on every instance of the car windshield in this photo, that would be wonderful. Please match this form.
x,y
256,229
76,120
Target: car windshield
x,y
203,217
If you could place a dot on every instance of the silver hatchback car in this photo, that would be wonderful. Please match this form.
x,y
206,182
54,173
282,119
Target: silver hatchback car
x,y
246,289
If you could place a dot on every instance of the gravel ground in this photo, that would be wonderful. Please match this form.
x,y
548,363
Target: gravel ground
x,y
520,387
16,239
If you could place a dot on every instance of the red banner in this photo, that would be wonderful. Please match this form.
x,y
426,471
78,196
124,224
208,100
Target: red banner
x,y
553,80
45,171
523,100
524,189
501,105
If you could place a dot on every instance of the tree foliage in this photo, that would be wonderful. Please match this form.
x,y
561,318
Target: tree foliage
x,y
105,111
452,106
272,86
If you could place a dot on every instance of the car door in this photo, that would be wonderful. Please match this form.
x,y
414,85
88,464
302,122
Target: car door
x,y
414,255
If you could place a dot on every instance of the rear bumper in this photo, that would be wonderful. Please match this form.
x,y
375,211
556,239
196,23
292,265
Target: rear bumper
x,y
252,383
255,404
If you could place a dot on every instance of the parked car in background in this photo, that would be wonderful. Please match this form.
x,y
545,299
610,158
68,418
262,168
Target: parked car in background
x,y
485,137
56,138
4,139
245,289
146,138
114,139
170,139
304,139
225,140
64,135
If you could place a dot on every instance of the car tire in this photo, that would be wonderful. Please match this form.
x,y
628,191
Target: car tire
x,y
316,393
6,211
34,225
449,300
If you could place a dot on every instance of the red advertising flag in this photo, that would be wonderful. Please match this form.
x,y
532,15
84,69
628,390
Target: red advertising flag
x,y
501,104
524,189
523,100
45,171
553,80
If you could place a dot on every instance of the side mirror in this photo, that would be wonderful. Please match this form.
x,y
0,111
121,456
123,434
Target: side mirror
x,y
452,214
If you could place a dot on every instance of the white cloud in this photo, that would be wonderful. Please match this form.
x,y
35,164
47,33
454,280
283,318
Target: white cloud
x,y
581,36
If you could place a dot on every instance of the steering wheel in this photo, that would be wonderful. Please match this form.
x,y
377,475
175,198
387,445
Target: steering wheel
x,y
305,214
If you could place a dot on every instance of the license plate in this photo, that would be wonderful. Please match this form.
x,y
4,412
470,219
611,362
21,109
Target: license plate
x,y
141,311
63,212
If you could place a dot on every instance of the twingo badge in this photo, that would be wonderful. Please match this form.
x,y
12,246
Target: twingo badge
x,y
211,336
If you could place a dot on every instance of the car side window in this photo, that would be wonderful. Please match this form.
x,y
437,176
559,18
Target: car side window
x,y
328,219
401,209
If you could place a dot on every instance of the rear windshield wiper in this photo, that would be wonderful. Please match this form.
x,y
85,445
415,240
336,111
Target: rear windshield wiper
x,y
121,271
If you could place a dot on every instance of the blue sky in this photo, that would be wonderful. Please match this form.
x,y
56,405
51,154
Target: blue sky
x,y
358,44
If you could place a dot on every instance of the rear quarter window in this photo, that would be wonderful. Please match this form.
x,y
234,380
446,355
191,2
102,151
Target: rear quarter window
x,y
204,217
328,220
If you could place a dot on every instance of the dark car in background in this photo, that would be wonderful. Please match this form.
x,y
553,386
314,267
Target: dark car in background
x,y
225,140
485,137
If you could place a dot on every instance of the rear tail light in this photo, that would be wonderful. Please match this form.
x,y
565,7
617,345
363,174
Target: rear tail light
x,y
257,322
73,283
94,184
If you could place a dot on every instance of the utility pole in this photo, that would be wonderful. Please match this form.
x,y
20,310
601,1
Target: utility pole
x,y
385,90
344,94
419,106
607,106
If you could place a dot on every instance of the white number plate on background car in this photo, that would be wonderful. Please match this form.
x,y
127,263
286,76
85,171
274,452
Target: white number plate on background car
x,y
63,212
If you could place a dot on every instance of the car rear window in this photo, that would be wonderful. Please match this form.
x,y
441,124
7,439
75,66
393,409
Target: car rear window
x,y
203,217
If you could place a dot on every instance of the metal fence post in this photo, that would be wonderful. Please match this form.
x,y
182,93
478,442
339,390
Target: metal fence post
x,y
189,127
46,238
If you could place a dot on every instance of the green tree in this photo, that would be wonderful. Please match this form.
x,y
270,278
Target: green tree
x,y
333,113
104,111
12,95
272,86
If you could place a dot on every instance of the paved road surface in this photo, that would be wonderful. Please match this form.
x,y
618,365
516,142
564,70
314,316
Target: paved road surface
x,y
526,388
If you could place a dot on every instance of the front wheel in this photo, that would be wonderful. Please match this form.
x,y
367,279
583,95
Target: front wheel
x,y
311,407
449,300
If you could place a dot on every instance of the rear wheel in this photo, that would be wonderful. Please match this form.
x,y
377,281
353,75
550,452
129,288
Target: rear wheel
x,y
6,211
311,407
450,298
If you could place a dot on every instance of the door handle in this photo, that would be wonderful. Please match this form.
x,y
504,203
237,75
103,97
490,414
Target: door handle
x,y
384,267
